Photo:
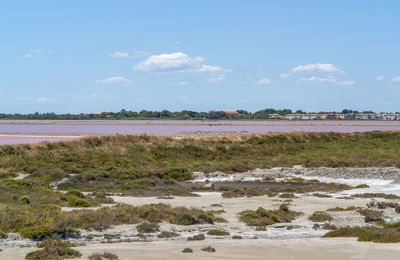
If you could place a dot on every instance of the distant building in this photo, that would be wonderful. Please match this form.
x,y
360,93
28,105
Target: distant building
x,y
331,116
390,116
365,116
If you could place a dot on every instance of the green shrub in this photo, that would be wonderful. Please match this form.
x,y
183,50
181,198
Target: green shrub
x,y
320,216
263,217
54,249
236,237
74,201
197,237
371,215
147,227
368,234
187,250
103,256
218,232
76,193
3,234
38,232
24,200
167,234
209,249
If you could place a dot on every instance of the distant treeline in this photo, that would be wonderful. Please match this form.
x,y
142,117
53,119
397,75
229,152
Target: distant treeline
x,y
165,114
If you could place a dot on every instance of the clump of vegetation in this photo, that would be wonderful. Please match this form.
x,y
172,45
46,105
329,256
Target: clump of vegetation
x,y
236,237
39,223
147,227
382,204
385,234
350,208
376,195
187,250
3,234
321,195
217,232
111,236
371,215
103,256
261,228
326,225
270,179
320,216
362,186
263,217
197,237
209,249
167,234
300,180
24,200
287,196
53,248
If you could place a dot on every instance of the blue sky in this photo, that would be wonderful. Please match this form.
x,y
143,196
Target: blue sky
x,y
84,56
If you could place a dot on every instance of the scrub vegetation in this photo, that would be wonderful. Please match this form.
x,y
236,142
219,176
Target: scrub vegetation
x,y
263,217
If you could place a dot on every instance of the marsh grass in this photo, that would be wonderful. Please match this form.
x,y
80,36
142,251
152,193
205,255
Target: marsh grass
x,y
262,217
385,234
320,216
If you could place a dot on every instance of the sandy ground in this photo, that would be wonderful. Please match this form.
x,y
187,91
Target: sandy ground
x,y
289,249
301,241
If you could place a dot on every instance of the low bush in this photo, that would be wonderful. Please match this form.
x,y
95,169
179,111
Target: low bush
x,y
24,200
218,232
376,195
76,193
362,186
368,234
187,250
236,237
74,201
167,234
53,249
263,217
208,249
103,256
197,237
350,208
147,227
371,215
320,216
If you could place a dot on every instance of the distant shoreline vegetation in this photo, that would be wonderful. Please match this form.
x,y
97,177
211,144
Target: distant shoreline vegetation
x,y
265,114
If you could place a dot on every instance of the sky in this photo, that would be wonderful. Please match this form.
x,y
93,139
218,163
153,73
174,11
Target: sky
x,y
84,56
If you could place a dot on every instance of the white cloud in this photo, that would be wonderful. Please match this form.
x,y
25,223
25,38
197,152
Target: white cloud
x,y
379,77
177,42
115,80
396,79
347,83
118,54
263,81
329,79
317,67
217,79
34,53
176,62
136,54
284,75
